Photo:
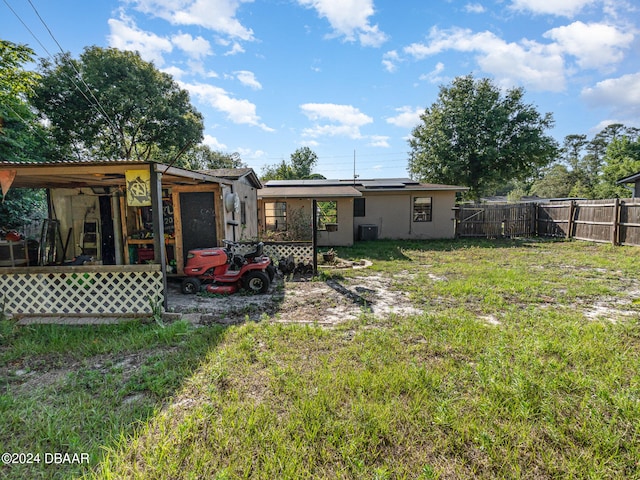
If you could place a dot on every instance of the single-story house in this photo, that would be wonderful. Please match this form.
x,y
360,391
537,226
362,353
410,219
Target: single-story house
x,y
635,180
349,210
125,215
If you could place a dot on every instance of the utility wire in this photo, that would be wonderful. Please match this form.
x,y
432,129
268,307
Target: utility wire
x,y
28,124
91,103
27,27
95,103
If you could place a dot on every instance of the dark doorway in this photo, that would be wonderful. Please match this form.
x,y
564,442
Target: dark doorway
x,y
198,218
106,221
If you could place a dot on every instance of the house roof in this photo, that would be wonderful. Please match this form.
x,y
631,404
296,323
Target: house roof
x,y
236,174
105,173
630,179
363,185
321,191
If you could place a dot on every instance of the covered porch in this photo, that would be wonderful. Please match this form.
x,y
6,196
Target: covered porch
x,y
115,231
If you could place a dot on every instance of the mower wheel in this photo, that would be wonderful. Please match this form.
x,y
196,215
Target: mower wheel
x,y
256,281
190,285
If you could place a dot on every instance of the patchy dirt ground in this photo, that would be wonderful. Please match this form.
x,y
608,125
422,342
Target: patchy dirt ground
x,y
298,301
333,301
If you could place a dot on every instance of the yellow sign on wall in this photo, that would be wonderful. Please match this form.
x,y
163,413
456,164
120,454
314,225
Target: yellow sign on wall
x,y
138,188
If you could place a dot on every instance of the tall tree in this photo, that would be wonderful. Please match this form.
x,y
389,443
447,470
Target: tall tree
x,y
300,166
202,157
475,136
621,160
20,134
22,138
556,182
111,104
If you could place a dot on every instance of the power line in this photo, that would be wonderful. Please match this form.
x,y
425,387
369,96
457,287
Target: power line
x,y
27,27
28,124
97,104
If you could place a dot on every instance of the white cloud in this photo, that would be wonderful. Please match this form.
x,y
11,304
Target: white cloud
x,y
434,75
595,45
379,141
125,35
248,79
349,18
235,49
620,95
474,8
539,66
390,60
174,71
248,153
565,8
216,15
345,120
240,111
194,47
213,143
408,117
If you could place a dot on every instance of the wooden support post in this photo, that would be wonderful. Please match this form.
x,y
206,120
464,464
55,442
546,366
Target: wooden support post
x,y
572,212
314,236
160,254
615,230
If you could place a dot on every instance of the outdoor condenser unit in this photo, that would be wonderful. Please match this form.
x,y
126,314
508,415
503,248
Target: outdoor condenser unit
x,y
367,232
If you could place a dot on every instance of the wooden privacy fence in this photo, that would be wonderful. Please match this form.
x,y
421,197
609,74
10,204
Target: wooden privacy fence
x,y
615,221
493,221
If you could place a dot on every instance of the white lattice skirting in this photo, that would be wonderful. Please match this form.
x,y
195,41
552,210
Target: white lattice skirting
x,y
301,251
126,290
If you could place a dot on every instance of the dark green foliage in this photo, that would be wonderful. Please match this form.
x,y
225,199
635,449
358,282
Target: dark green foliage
x,y
478,137
303,160
202,157
592,168
111,104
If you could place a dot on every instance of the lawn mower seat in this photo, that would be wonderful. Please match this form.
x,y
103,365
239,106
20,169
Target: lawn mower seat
x,y
256,253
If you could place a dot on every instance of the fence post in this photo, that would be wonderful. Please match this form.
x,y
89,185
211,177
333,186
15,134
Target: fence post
x,y
456,221
314,236
572,212
615,231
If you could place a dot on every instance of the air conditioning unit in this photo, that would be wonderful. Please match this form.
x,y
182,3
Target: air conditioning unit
x,y
367,232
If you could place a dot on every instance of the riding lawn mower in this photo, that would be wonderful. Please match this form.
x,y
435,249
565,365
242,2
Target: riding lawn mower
x,y
222,271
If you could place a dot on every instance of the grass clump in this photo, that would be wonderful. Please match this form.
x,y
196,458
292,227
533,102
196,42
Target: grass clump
x,y
76,389
503,376
432,396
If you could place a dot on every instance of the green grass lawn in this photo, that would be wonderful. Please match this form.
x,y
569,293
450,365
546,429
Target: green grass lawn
x,y
504,376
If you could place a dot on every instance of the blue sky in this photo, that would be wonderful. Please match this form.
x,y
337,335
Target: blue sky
x,y
349,78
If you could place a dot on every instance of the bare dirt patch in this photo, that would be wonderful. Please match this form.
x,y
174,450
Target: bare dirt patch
x,y
615,309
24,380
298,301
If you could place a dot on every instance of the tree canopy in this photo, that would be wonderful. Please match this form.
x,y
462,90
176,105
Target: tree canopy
x,y
300,166
591,168
202,157
111,104
478,137
21,136
15,81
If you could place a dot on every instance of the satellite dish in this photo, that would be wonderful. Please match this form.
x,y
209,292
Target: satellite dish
x,y
232,202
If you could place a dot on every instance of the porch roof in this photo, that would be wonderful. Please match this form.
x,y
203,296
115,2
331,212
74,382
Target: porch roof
x,y
107,173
